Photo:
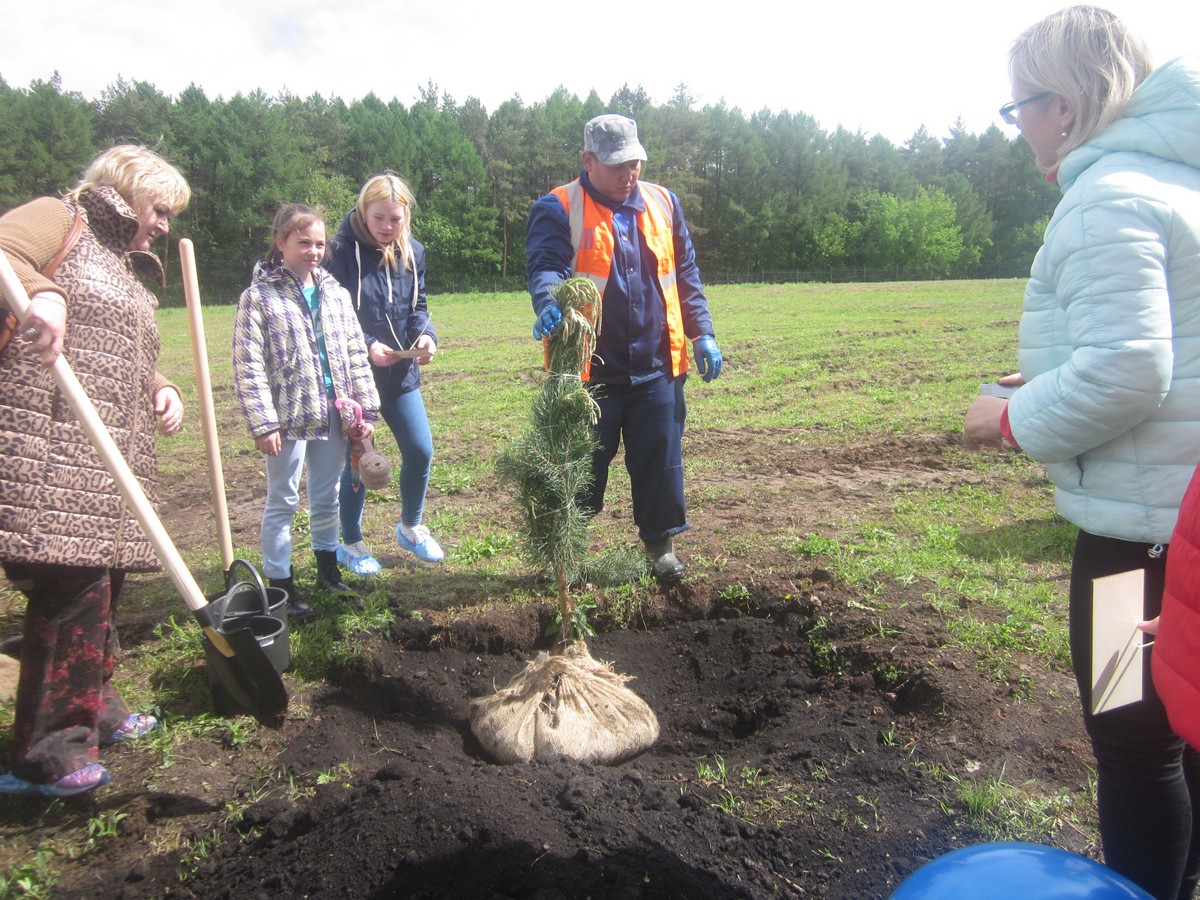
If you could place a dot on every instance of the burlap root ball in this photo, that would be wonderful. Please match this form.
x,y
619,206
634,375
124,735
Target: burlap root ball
x,y
564,706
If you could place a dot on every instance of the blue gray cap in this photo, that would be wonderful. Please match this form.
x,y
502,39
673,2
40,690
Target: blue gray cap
x,y
613,139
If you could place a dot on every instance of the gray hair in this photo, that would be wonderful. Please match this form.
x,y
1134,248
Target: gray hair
x,y
139,175
1088,57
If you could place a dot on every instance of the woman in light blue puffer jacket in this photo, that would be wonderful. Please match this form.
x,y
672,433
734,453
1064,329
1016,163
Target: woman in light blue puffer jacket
x,y
1110,356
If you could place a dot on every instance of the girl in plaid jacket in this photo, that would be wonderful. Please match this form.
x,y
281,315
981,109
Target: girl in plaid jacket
x,y
297,347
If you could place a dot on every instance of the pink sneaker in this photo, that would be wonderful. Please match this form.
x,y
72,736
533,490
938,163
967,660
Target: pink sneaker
x,y
79,781
134,727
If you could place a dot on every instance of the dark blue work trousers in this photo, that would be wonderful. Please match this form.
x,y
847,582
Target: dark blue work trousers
x,y
649,416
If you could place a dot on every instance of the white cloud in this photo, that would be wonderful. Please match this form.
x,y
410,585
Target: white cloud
x,y
879,67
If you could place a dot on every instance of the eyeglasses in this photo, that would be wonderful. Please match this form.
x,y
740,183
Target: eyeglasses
x,y
1008,112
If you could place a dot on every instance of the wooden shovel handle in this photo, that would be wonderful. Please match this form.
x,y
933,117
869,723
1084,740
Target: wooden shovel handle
x,y
139,504
216,477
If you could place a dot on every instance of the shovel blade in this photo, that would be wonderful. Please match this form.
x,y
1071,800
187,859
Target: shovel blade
x,y
241,666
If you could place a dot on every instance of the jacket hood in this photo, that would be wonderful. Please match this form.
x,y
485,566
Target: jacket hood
x,y
359,229
1162,119
268,273
354,229
114,224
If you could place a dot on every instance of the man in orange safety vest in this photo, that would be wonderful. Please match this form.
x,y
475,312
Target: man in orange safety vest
x,y
630,238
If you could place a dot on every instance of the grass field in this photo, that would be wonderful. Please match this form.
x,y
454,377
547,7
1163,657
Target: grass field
x,y
825,365
826,369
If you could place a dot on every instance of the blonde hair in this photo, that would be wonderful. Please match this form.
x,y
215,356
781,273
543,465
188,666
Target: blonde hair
x,y
139,175
288,218
390,188
1088,57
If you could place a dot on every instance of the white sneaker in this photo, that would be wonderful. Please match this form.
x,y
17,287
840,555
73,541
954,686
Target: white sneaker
x,y
419,542
358,559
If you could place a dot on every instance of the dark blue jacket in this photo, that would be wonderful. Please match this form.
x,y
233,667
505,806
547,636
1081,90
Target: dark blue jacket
x,y
391,318
633,344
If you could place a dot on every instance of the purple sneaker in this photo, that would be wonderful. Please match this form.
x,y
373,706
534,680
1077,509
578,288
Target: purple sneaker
x,y
79,781
134,727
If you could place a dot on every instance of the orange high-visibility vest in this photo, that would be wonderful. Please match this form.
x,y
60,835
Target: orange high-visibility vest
x,y
592,238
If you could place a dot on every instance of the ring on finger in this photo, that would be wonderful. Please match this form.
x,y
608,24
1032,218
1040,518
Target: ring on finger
x,y
30,334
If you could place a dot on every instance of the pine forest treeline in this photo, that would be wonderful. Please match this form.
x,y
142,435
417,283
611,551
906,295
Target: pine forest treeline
x,y
768,196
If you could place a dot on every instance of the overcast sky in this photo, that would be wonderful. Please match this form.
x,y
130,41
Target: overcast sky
x,y
880,67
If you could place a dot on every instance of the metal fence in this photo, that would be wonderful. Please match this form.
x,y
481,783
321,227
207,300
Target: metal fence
x,y
831,275
838,275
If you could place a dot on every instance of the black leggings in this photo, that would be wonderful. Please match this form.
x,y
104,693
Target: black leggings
x,y
1148,779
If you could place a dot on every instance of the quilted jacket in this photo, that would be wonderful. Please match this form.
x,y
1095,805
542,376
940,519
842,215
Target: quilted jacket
x,y
276,366
1110,333
58,504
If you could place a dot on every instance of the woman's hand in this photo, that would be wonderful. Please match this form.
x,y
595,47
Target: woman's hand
x,y
168,405
269,444
981,428
44,326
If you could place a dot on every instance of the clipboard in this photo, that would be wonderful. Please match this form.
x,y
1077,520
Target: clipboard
x,y
410,354
420,356
995,389
1118,603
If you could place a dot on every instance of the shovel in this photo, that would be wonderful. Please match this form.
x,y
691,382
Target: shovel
x,y
216,475
242,665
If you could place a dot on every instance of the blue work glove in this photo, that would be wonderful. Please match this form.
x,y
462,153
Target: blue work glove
x,y
546,322
708,357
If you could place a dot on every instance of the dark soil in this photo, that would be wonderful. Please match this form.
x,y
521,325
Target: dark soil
x,y
839,723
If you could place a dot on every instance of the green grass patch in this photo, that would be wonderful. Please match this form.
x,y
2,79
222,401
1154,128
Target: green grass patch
x,y
818,367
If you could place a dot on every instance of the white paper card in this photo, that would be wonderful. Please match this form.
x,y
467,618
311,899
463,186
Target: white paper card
x,y
1117,604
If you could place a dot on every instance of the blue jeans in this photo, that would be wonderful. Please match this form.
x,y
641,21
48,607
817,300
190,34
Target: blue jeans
x,y
405,416
650,417
324,460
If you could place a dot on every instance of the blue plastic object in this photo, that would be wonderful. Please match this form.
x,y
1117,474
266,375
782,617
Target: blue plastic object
x,y
1007,871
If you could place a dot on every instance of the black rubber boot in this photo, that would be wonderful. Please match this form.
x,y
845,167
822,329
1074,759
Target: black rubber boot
x,y
667,567
298,610
12,646
329,575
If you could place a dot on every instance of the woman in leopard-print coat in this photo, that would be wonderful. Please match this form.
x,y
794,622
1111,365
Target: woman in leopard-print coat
x,y
66,537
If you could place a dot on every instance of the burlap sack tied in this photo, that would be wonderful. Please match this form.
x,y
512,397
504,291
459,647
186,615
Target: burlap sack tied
x,y
568,705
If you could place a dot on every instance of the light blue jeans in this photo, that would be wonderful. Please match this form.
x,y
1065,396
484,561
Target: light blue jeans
x,y
405,416
324,459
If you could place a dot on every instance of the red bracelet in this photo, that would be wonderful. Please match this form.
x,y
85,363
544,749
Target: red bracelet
x,y
1006,428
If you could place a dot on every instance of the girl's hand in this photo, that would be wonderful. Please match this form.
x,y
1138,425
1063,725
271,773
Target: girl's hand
x,y
367,431
381,356
427,343
269,444
168,405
